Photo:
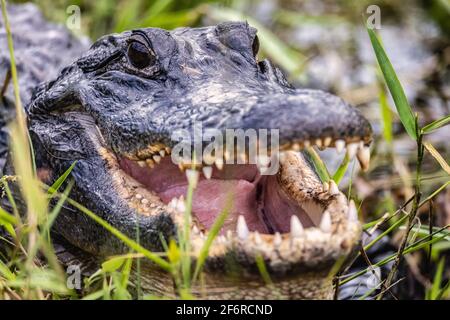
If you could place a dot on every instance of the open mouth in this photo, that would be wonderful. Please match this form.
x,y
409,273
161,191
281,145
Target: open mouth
x,y
279,213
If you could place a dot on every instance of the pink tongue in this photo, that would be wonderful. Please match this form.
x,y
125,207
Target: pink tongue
x,y
211,196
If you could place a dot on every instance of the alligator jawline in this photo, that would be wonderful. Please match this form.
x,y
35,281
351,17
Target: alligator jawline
x,y
324,227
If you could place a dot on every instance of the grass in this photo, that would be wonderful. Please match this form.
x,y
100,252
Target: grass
x,y
24,276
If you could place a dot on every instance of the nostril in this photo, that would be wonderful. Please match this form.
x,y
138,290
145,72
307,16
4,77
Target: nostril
x,y
262,66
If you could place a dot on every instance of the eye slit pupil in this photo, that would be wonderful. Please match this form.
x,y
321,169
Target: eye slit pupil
x,y
139,55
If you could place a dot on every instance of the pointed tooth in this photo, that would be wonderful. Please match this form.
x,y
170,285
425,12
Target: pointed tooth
x,y
207,172
325,224
138,196
168,150
150,163
277,239
258,240
334,190
173,203
296,227
157,159
195,230
351,150
319,143
208,159
162,153
181,206
325,186
241,228
363,156
327,141
192,177
229,235
142,164
219,163
339,145
296,147
306,143
352,211
221,239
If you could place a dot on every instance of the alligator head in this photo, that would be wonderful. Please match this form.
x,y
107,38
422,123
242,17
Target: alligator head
x,y
115,111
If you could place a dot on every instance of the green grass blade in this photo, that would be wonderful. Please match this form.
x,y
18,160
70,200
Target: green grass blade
x,y
436,125
401,103
57,184
320,167
263,269
436,286
411,248
340,172
386,116
129,242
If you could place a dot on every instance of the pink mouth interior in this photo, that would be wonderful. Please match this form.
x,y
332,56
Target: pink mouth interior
x,y
260,199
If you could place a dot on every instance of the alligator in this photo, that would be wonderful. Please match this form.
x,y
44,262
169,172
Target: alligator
x,y
113,108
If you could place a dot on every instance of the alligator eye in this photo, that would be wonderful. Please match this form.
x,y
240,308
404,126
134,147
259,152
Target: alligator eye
x,y
255,46
139,55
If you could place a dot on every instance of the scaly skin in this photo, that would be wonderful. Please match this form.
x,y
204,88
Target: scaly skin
x,y
108,108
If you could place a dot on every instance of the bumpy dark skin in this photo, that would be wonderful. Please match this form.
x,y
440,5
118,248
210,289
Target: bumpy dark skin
x,y
111,102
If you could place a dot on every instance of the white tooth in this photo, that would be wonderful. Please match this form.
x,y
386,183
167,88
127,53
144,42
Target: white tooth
x,y
340,145
277,239
325,224
319,143
327,141
352,211
173,203
208,159
258,240
296,227
241,228
162,153
296,147
207,171
219,163
326,186
144,201
306,143
142,164
192,177
364,157
138,196
157,159
334,190
229,234
195,230
351,150
181,207
221,239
